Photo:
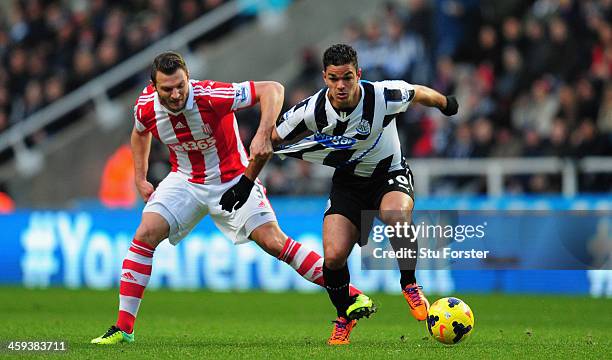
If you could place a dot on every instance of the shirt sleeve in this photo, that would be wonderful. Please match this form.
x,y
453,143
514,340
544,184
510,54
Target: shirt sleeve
x,y
138,121
143,121
293,123
398,95
226,97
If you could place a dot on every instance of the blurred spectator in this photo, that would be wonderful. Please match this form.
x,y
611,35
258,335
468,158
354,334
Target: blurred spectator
x,y
53,88
558,144
33,101
601,55
511,79
310,74
452,21
353,32
587,141
506,144
488,50
84,68
537,51
301,179
117,188
532,143
405,56
155,27
588,104
107,54
567,104
420,21
604,118
18,76
372,51
512,34
537,109
188,12
483,137
461,146
424,146
444,81
562,46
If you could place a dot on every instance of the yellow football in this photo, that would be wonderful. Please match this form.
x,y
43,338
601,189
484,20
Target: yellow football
x,y
450,320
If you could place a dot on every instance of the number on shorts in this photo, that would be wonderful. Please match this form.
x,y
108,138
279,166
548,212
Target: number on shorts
x,y
259,192
402,180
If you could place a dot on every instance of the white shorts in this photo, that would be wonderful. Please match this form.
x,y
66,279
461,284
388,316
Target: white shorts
x,y
183,204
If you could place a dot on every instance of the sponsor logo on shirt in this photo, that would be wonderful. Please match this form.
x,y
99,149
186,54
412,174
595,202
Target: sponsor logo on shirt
x,y
334,141
194,145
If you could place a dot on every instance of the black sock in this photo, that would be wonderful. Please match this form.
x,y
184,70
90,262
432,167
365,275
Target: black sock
x,y
337,286
407,277
407,266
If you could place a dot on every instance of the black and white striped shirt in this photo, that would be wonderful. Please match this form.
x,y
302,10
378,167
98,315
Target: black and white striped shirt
x,y
364,142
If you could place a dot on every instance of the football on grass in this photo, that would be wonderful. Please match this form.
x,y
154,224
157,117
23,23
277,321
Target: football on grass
x,y
450,320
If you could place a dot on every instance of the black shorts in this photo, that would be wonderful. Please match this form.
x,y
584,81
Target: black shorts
x,y
351,194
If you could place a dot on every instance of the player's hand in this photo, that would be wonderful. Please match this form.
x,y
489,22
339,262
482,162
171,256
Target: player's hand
x,y
261,148
237,195
145,189
451,106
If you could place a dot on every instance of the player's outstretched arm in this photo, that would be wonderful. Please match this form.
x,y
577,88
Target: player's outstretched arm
x,y
430,97
270,95
141,147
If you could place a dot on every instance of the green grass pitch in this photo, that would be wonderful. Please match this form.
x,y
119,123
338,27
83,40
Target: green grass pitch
x,y
245,325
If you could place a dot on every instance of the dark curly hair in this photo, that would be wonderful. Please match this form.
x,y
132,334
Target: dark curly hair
x,y
168,62
340,54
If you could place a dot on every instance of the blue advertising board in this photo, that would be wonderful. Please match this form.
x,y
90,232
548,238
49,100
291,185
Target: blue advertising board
x,y
85,248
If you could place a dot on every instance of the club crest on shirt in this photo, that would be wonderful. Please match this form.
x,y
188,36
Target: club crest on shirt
x,y
363,128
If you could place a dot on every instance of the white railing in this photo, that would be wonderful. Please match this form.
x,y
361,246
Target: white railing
x,y
495,169
95,89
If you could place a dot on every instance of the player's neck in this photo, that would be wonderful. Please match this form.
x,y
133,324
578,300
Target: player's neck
x,y
345,110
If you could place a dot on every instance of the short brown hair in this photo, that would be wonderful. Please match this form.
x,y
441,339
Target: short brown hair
x,y
168,62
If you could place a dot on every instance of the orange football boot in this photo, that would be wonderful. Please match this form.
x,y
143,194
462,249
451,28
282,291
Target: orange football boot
x,y
341,331
416,300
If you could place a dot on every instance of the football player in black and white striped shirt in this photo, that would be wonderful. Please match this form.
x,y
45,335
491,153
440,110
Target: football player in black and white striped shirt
x,y
350,125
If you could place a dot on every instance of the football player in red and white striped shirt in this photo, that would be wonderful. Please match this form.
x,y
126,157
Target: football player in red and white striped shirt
x,y
211,175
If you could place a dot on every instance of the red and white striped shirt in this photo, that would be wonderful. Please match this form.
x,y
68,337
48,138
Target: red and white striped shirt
x,y
202,138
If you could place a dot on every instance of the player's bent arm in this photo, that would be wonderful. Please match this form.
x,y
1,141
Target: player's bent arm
x,y
141,147
270,95
431,98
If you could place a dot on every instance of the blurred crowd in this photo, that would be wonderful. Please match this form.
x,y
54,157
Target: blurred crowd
x,y
51,47
532,78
